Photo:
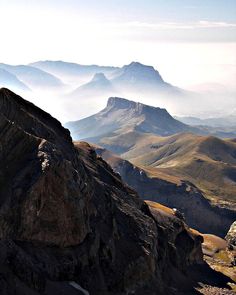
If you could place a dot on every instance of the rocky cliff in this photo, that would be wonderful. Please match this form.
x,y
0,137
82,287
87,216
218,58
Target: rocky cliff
x,y
65,216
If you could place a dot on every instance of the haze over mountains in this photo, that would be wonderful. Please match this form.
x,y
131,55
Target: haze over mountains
x,y
122,116
97,87
33,77
10,80
72,72
225,122
81,90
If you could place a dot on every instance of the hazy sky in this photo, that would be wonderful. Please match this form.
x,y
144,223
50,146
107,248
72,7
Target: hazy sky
x,y
188,41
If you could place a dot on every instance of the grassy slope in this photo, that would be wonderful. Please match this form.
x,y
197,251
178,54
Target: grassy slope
x,y
208,162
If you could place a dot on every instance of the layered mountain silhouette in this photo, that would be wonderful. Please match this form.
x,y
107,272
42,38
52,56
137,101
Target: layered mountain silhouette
x,y
76,87
73,83
227,121
9,80
33,77
122,115
129,79
68,221
98,86
72,71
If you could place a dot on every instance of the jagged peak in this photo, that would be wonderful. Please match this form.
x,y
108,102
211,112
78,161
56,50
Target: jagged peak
x,y
31,118
136,64
139,70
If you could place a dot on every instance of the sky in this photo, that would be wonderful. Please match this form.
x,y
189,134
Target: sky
x,y
189,41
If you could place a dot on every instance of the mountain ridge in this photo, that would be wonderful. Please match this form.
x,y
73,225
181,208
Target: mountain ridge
x,y
172,191
32,76
122,113
8,79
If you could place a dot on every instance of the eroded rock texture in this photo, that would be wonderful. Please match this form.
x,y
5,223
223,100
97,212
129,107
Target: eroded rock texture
x,y
66,216
231,236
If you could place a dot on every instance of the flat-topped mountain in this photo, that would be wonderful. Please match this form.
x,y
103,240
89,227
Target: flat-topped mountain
x,y
138,81
121,115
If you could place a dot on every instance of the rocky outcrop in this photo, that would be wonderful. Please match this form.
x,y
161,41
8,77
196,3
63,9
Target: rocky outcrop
x,y
231,236
66,216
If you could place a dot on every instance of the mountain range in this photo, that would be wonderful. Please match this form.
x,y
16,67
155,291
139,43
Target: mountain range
x,y
72,72
70,225
225,122
33,77
206,161
172,191
151,139
74,84
10,80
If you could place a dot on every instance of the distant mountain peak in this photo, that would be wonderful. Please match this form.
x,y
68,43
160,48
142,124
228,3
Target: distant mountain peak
x,y
136,72
138,65
98,85
99,77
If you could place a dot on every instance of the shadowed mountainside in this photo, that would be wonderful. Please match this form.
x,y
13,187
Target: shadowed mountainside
x,y
172,191
66,217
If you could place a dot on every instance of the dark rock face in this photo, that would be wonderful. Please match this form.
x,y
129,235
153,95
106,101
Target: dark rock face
x,y
39,177
65,216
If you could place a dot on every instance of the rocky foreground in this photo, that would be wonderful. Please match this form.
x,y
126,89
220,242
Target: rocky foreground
x,y
69,225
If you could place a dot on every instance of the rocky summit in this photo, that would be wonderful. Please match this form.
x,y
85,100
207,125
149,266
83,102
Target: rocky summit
x,y
69,225
121,115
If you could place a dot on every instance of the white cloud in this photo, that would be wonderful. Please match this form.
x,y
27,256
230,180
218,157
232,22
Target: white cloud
x,y
179,25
